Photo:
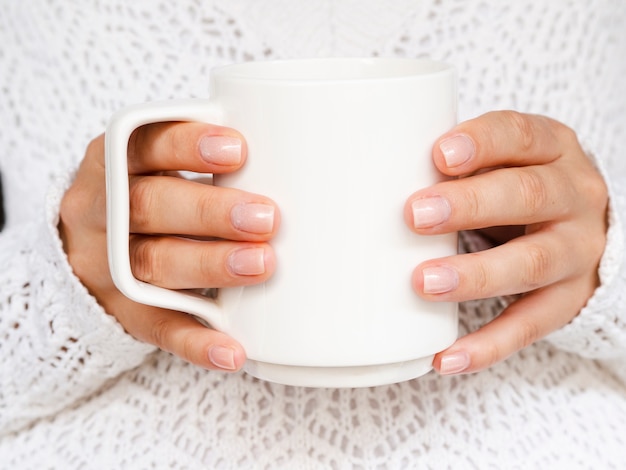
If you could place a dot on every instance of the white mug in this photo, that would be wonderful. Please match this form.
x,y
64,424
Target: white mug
x,y
339,144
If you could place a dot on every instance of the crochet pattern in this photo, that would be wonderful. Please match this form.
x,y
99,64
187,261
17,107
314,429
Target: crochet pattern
x,y
77,392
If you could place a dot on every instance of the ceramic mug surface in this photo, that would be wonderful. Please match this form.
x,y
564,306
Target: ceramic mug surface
x,y
339,144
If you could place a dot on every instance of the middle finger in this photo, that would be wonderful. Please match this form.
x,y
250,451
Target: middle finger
x,y
522,265
529,195
171,205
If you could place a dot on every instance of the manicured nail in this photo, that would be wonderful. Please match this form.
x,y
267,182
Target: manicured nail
x,y
454,363
430,211
253,217
222,357
457,150
220,149
440,279
247,261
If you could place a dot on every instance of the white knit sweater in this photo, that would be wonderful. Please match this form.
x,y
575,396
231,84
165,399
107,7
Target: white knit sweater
x,y
76,392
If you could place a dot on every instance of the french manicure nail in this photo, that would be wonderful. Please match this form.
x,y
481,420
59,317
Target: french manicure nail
x,y
247,261
253,217
457,150
454,363
440,279
222,357
220,149
430,211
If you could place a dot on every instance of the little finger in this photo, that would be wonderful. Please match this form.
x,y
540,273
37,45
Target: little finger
x,y
524,322
181,334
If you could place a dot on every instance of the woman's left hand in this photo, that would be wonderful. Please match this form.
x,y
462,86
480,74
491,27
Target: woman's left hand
x,y
529,174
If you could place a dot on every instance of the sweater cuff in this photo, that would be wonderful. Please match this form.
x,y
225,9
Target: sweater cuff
x,y
102,332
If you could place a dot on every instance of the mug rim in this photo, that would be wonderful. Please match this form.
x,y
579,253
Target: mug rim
x,y
332,70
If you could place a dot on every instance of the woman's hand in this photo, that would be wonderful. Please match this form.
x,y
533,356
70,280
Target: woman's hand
x,y
185,235
515,170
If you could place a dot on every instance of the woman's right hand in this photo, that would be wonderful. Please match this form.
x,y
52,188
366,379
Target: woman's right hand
x,y
184,234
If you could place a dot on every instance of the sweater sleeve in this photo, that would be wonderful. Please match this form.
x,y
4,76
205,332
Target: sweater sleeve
x,y
57,344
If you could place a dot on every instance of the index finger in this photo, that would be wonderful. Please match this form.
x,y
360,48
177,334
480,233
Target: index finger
x,y
502,138
187,146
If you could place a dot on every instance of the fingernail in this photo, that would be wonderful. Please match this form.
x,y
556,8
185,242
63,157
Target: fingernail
x,y
220,149
222,357
454,363
430,211
440,279
247,262
457,150
253,217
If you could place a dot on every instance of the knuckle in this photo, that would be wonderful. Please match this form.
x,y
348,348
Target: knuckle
x,y
526,333
491,355
146,263
188,347
168,334
537,266
564,133
533,190
95,148
84,197
142,203
522,125
207,269
473,204
595,191
178,140
73,205
598,194
136,143
159,333
480,278
205,210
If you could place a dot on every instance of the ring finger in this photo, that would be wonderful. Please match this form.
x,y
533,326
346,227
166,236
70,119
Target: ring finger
x,y
521,265
180,263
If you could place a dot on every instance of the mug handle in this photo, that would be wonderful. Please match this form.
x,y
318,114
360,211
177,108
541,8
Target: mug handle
x,y
117,135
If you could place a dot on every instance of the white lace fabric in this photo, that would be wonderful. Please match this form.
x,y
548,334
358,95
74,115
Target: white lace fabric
x,y
77,392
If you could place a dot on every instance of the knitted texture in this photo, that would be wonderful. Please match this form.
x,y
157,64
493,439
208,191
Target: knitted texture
x,y
77,392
